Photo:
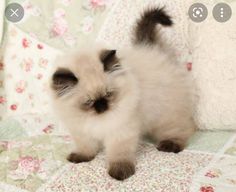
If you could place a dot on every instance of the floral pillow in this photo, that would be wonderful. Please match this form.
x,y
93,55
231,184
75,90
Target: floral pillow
x,y
27,68
64,23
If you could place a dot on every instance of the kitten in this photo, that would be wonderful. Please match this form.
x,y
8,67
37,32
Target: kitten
x,y
108,98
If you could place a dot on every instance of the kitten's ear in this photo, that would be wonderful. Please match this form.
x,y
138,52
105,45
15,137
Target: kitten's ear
x,y
63,79
109,60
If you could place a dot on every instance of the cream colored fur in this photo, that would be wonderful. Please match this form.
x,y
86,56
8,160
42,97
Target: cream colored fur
x,y
154,97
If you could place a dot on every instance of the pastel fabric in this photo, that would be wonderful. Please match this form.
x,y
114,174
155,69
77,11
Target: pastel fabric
x,y
64,24
214,70
38,164
27,73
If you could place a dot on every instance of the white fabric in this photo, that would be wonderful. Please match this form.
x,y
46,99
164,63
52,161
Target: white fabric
x,y
214,70
28,65
117,29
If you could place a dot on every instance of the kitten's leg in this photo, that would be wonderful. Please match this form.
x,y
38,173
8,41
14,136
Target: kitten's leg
x,y
171,145
172,135
85,150
120,151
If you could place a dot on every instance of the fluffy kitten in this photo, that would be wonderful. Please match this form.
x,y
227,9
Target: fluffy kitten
x,y
108,98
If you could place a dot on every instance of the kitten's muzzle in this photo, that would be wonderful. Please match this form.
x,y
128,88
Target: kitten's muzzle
x,y
101,105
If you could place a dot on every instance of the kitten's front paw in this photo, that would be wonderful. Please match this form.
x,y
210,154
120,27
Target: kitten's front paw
x,y
79,158
169,146
121,170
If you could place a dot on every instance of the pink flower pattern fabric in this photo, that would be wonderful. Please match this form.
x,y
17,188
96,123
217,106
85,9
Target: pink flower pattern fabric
x,y
220,174
67,23
29,164
32,59
39,164
60,25
24,90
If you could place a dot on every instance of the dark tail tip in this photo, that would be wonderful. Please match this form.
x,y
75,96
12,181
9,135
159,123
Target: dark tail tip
x,y
158,15
144,31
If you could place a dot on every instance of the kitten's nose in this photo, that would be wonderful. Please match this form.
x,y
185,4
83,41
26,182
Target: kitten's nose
x,y
100,105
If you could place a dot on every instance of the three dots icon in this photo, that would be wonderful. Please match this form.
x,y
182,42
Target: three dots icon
x,y
221,12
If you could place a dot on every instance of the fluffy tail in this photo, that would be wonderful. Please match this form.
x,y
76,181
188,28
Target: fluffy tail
x,y
144,30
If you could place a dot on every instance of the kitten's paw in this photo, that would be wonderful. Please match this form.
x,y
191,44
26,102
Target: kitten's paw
x,y
78,158
169,146
121,170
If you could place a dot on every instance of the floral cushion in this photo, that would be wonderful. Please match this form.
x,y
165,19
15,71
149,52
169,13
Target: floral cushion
x,y
64,23
27,67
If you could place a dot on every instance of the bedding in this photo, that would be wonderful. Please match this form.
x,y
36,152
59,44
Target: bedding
x,y
214,70
38,164
64,23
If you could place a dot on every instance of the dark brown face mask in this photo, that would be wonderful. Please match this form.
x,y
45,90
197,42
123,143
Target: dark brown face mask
x,y
101,104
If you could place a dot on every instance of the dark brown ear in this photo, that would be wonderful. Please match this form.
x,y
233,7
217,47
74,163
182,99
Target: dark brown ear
x,y
109,60
63,79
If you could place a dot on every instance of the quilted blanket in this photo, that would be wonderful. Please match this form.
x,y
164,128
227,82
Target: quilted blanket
x,y
38,164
